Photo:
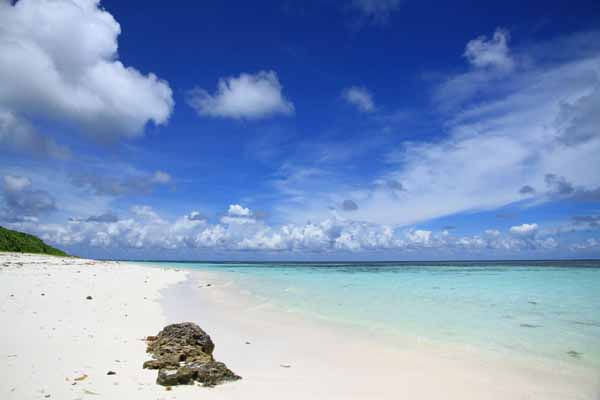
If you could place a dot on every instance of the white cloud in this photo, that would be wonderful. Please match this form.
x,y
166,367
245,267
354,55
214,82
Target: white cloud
x,y
419,236
161,177
238,215
494,52
247,96
60,63
145,212
524,229
360,98
588,244
501,136
235,210
16,183
196,216
146,229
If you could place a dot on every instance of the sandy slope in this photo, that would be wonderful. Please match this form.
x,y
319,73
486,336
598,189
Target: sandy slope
x,y
48,340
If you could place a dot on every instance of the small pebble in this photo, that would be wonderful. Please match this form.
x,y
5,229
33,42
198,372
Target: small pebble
x,y
111,373
88,298
574,354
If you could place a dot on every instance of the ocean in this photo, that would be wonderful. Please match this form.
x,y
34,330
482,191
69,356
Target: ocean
x,y
538,309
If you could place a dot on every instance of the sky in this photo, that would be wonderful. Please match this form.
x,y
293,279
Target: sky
x,y
302,130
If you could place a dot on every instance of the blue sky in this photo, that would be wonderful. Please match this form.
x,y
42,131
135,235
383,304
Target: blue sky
x,y
359,129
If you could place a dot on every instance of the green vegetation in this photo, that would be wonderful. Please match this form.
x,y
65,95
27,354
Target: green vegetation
x,y
24,243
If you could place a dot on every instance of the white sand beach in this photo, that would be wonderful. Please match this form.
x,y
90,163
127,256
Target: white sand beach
x,y
55,343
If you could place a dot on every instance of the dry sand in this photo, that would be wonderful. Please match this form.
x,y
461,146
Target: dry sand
x,y
51,334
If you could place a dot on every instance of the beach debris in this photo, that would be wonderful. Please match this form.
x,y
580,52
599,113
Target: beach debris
x,y
182,353
85,391
111,373
586,323
574,354
89,298
529,326
81,378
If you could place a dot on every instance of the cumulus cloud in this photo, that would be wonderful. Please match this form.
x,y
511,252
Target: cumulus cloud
x,y
419,236
588,244
250,96
196,216
524,229
236,214
235,210
483,52
21,201
60,63
145,228
377,11
360,98
104,185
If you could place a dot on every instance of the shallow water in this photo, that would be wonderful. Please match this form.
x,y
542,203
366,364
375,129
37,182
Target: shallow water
x,y
547,309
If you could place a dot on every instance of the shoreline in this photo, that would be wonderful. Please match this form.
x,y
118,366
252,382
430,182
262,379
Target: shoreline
x,y
249,293
452,367
391,337
61,336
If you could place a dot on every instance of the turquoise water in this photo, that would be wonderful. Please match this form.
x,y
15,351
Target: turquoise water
x,y
542,309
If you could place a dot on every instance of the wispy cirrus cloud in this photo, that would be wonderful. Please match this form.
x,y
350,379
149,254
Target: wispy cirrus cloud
x,y
505,124
129,183
360,98
376,11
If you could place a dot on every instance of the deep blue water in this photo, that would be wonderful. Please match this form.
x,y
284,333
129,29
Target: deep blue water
x,y
548,309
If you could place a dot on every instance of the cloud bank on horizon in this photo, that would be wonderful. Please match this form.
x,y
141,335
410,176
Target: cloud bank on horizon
x,y
497,156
